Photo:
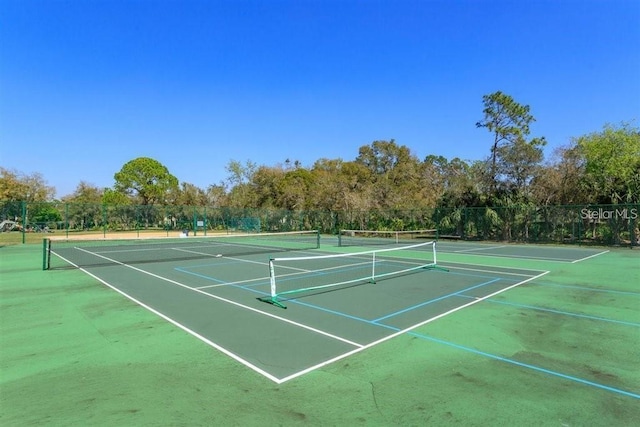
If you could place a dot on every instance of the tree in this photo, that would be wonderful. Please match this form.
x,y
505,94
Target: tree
x,y
17,186
216,195
612,163
356,191
84,206
454,182
85,193
395,173
267,180
518,164
115,198
562,181
328,186
509,123
240,180
146,179
190,195
294,189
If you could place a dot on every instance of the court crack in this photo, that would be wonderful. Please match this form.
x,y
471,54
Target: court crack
x,y
373,396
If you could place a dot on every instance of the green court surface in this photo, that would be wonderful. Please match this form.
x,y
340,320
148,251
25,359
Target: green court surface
x,y
507,335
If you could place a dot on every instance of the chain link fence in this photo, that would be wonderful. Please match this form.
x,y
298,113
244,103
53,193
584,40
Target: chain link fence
x,y
609,225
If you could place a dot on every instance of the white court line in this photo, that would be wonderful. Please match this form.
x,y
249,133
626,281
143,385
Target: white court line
x,y
359,347
481,270
261,280
220,285
479,249
195,334
485,268
591,256
535,258
410,328
512,256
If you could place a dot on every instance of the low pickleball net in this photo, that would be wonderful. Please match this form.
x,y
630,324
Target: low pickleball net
x,y
293,277
384,237
82,252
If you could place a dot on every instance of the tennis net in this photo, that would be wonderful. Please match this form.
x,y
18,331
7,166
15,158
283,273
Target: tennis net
x,y
80,252
383,237
292,277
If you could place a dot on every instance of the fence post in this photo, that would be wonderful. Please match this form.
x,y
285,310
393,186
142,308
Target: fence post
x,y
204,219
24,222
104,220
66,220
580,224
195,221
633,239
464,222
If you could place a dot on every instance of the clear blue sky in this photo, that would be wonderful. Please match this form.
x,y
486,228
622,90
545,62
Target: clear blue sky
x,y
87,85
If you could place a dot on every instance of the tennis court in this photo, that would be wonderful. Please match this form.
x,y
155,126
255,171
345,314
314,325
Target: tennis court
x,y
185,332
215,290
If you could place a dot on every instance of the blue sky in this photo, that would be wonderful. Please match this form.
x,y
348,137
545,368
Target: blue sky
x,y
86,86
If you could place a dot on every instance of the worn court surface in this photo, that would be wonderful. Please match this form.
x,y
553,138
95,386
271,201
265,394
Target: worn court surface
x,y
215,299
558,326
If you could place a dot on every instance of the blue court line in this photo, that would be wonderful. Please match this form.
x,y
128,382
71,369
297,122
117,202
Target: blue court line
x,y
478,352
404,310
330,311
587,288
564,313
202,276
246,286
528,366
458,346
229,262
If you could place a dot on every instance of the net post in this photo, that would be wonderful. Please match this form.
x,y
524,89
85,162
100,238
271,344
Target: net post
x,y
45,253
273,298
272,278
435,261
373,267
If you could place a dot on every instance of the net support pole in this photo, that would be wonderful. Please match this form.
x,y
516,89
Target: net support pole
x,y
435,261
273,298
272,278
373,268
45,254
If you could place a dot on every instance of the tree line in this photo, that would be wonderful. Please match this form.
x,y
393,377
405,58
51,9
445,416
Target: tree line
x,y
602,167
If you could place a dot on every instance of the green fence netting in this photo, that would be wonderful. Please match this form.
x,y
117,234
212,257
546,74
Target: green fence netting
x,y
610,225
